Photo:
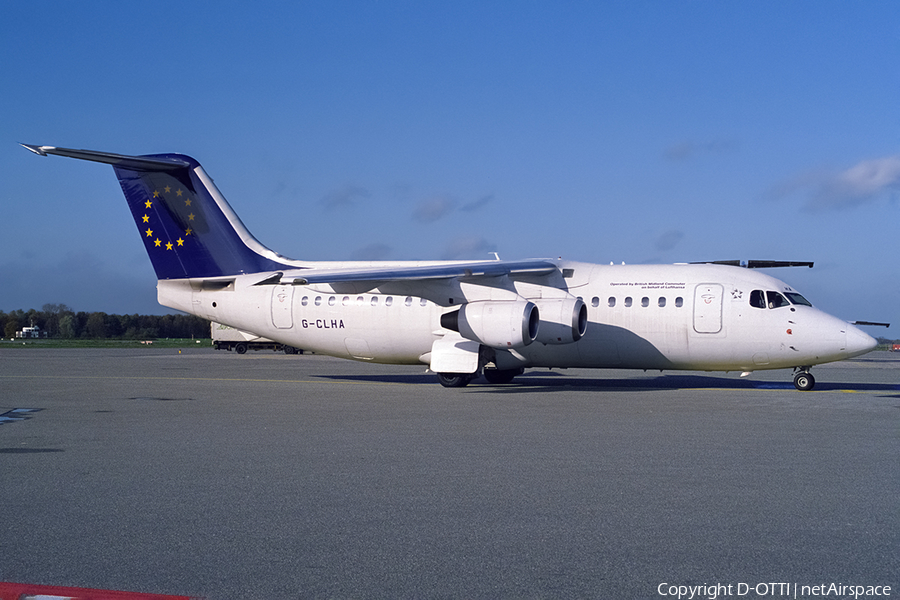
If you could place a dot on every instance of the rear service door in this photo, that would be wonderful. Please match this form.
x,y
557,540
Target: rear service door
x,y
282,306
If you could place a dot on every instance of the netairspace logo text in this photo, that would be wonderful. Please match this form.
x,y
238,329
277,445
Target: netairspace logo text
x,y
714,591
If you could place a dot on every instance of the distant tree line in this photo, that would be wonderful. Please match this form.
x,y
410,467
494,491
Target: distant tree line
x,y
60,321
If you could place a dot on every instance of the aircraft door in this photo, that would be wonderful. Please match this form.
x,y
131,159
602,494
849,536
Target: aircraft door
x,y
708,308
282,306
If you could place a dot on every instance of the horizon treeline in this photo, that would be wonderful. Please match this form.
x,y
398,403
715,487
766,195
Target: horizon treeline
x,y
60,321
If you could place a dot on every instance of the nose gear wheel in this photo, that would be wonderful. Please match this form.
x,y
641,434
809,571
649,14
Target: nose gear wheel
x,y
803,380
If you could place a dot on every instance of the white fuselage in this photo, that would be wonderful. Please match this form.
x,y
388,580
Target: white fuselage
x,y
697,317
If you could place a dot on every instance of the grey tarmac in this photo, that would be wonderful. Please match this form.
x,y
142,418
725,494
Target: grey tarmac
x,y
270,476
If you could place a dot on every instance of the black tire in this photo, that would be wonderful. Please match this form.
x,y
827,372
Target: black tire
x,y
454,380
290,350
241,348
500,376
804,382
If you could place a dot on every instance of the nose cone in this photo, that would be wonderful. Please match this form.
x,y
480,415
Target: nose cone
x,y
859,342
826,338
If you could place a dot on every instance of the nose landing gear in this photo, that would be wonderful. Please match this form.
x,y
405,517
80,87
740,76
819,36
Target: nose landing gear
x,y
803,379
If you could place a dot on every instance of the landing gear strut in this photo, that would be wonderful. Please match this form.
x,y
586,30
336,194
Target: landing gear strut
x,y
803,379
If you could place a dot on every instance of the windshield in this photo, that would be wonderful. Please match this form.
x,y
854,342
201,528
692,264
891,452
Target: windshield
x,y
796,298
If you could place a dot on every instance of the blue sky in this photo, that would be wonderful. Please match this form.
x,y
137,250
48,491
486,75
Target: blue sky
x,y
615,131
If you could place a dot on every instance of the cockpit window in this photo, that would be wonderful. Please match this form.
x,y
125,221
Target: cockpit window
x,y
758,299
796,298
776,300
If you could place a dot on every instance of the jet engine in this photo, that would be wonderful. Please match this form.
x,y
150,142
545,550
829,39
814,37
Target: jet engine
x,y
562,321
498,324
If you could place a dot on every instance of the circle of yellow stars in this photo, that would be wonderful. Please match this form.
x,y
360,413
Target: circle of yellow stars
x,y
157,243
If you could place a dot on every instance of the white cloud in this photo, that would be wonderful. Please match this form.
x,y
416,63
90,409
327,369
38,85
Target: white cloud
x,y
860,184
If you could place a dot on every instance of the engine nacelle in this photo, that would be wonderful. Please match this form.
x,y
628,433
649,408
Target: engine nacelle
x,y
562,321
498,324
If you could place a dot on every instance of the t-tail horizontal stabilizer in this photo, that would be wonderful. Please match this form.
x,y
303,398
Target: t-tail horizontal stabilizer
x,y
188,228
756,264
871,323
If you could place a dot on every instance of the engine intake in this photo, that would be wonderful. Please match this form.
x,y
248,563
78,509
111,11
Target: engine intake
x,y
562,321
502,325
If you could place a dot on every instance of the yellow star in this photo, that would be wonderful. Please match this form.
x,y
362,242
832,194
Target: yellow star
x,y
187,202
189,231
149,232
148,204
178,193
180,242
156,243
168,245
146,219
156,194
167,189
191,217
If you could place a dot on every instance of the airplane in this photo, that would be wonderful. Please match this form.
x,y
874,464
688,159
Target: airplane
x,y
493,318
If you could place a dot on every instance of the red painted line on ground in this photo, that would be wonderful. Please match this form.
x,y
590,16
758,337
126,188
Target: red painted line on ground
x,y
27,591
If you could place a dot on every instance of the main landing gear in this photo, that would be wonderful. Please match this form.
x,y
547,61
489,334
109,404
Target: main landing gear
x,y
456,380
803,379
494,376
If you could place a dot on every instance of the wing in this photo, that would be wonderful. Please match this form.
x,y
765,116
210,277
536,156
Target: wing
x,y
396,273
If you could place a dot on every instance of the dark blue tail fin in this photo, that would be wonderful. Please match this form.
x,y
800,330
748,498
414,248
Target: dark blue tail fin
x,y
188,228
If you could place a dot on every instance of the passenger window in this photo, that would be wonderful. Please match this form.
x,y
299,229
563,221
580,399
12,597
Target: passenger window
x,y
662,302
776,300
374,300
408,301
331,300
645,301
595,301
360,300
612,301
318,300
628,302
389,300
346,301
423,302
679,302
757,299
304,301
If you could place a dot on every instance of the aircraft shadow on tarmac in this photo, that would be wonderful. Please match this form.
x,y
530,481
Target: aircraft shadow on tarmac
x,y
549,381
